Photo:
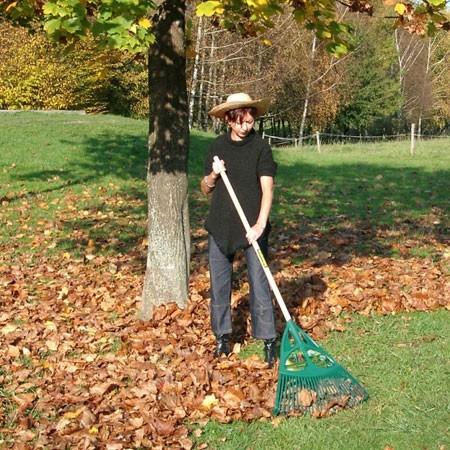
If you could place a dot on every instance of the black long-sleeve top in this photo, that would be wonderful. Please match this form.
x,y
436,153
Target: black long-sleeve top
x,y
245,162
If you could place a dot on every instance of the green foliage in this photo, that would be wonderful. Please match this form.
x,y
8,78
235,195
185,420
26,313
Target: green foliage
x,y
209,8
128,87
35,74
250,17
122,24
373,96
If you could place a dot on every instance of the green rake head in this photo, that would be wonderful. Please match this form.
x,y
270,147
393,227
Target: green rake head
x,y
310,381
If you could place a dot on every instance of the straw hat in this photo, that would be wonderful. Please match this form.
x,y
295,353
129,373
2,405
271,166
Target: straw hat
x,y
240,100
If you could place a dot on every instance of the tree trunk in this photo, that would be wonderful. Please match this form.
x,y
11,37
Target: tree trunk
x,y
200,107
210,100
167,272
308,90
194,83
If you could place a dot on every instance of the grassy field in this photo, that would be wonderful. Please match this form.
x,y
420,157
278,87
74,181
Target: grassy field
x,y
68,180
371,186
52,163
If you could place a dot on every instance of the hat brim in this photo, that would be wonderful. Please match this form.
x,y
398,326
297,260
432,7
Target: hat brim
x,y
261,106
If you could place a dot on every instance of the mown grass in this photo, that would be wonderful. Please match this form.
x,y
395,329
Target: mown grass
x,y
80,178
54,162
378,182
379,188
49,160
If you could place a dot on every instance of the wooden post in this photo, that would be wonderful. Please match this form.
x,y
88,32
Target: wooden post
x,y
263,134
318,141
413,127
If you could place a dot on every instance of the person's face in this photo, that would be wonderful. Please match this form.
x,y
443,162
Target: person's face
x,y
241,128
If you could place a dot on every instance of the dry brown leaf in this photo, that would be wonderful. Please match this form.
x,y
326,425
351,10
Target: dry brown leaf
x,y
87,418
163,427
102,388
306,397
231,399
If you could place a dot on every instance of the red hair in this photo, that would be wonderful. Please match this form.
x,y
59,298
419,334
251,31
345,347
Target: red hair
x,y
238,114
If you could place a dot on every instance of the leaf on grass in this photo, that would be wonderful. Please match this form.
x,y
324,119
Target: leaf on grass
x,y
87,418
101,389
70,415
51,345
13,351
232,398
163,427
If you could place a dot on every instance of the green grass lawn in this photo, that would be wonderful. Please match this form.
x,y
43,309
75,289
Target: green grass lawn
x,y
373,186
52,164
67,180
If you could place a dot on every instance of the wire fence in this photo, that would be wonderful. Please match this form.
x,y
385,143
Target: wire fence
x,y
318,139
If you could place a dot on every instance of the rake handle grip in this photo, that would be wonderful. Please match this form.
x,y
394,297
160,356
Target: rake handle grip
x,y
255,245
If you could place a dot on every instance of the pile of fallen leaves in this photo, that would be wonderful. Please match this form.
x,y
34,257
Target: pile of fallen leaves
x,y
78,369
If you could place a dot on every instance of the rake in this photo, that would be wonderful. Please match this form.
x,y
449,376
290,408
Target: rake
x,y
310,381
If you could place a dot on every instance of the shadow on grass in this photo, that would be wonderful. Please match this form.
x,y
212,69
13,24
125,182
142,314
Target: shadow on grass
x,y
360,209
109,154
124,157
117,228
324,213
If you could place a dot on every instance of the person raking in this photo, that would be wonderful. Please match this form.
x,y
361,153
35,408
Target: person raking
x,y
251,169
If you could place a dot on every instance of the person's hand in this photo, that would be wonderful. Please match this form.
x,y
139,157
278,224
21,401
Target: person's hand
x,y
218,166
255,233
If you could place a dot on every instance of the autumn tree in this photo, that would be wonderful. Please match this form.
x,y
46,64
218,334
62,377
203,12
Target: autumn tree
x,y
159,27
423,65
135,26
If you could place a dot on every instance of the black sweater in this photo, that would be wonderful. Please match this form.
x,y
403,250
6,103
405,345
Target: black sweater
x,y
245,162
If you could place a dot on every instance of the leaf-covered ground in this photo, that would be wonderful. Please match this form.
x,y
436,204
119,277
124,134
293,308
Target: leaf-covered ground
x,y
357,230
79,370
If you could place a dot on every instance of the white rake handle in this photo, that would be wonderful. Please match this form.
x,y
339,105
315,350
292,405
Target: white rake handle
x,y
255,244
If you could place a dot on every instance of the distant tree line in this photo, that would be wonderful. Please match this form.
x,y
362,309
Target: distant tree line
x,y
390,80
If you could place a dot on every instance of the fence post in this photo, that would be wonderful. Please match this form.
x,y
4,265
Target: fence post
x,y
263,134
318,141
413,127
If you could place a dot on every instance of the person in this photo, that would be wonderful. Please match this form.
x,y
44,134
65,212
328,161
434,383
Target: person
x,y
250,167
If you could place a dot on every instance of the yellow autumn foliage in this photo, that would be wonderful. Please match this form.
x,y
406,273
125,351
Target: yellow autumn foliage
x,y
36,74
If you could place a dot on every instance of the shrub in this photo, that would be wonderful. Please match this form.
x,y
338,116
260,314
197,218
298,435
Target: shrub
x,y
37,74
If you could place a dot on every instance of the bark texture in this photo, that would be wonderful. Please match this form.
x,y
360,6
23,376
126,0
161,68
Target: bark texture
x,y
167,271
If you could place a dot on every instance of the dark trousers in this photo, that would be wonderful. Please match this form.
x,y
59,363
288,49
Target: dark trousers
x,y
261,306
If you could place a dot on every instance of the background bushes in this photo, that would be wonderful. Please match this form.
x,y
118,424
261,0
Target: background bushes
x,y
35,74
